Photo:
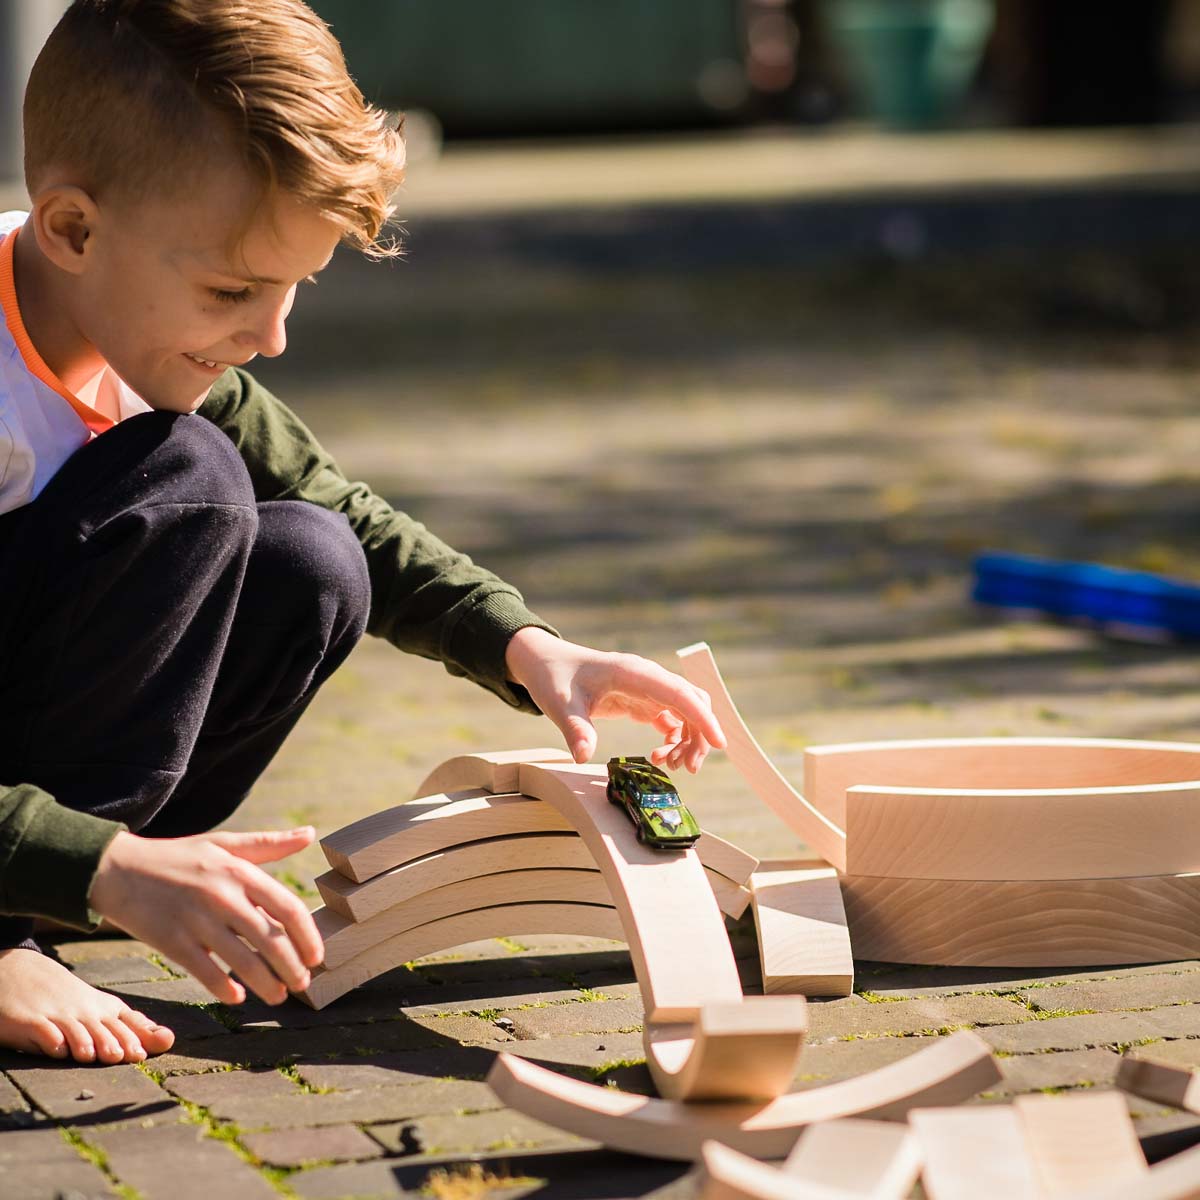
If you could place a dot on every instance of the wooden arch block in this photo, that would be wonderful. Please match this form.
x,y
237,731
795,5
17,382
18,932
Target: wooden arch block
x,y
974,1152
804,819
948,1072
1175,1178
1024,923
1168,1084
494,770
511,920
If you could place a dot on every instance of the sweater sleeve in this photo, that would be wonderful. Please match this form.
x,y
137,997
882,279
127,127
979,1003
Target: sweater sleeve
x,y
48,856
426,598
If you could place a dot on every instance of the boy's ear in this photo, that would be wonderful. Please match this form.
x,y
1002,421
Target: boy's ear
x,y
64,219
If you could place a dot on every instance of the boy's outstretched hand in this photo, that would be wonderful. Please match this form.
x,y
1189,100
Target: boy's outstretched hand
x,y
193,897
573,685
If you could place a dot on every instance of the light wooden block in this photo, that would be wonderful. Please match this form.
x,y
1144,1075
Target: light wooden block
x,y
948,1072
1080,1142
1175,1178
974,1152
1024,923
1177,1086
494,770
806,821
875,1160
345,939
803,939
511,920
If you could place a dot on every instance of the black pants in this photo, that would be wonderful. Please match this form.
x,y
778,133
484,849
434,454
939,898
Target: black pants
x,y
160,631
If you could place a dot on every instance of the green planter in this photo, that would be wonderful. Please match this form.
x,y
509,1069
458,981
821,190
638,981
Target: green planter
x,y
912,59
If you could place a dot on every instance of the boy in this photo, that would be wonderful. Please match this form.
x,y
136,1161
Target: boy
x,y
182,565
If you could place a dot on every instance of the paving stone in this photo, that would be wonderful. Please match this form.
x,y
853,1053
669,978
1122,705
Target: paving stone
x,y
1179,1052
1110,995
99,948
97,1094
587,1050
475,1133
596,1016
564,967
215,1090
171,991
854,1015
1098,1029
174,1003
12,1102
832,1061
40,1164
353,1181
1063,1069
525,991
400,1067
336,1108
127,969
357,1008
462,1028
177,1162
295,1147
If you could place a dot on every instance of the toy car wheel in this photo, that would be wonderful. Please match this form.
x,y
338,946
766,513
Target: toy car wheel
x,y
611,793
641,835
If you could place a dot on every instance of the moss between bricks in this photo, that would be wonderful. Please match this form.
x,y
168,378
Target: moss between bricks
x,y
98,1159
230,1134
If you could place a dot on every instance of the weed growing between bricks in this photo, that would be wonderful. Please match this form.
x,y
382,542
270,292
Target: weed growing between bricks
x,y
98,1159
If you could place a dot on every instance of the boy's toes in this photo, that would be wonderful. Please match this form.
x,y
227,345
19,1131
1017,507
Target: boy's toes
x,y
49,1039
83,1049
131,1045
155,1039
108,1048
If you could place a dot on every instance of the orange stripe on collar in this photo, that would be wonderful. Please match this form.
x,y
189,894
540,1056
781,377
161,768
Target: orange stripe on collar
x,y
97,422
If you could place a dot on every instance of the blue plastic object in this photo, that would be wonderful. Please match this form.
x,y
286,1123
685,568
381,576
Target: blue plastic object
x,y
1114,599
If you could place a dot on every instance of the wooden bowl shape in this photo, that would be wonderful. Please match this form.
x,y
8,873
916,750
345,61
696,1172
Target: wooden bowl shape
x,y
995,851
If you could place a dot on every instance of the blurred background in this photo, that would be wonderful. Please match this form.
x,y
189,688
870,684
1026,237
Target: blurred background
x,y
754,321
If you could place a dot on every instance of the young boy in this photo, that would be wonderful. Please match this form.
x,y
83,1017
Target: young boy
x,y
183,566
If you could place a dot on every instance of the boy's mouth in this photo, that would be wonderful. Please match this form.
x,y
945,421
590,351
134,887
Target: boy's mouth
x,y
204,362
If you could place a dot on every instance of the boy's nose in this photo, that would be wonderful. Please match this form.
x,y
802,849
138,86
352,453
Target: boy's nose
x,y
268,332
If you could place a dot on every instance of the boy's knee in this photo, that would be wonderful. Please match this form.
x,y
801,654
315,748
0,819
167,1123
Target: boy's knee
x,y
196,463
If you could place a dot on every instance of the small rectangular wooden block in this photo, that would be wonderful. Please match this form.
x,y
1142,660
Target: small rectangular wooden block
x,y
875,1160
803,940
1167,1084
972,1152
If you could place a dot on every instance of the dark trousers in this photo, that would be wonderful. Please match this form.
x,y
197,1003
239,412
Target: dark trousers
x,y
160,631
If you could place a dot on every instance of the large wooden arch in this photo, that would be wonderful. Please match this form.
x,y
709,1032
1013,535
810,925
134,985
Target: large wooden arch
x,y
948,1072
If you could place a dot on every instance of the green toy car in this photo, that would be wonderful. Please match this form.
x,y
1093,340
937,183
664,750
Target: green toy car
x,y
652,804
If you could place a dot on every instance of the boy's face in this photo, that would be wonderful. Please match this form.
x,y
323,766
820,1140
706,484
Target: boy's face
x,y
168,289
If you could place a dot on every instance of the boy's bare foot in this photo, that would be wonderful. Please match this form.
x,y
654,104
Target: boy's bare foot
x,y
44,1009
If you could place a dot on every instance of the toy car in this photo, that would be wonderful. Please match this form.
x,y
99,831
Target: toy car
x,y
652,804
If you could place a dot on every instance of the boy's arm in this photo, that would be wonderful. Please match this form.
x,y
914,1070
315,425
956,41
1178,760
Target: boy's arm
x,y
48,856
426,598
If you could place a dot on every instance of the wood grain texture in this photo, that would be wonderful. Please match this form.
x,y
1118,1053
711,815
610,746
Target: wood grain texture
x,y
803,939
1033,834
991,764
1175,1178
974,1152
748,1050
345,939
398,835
494,770
1168,1084
511,920
814,828
948,1072
1024,923
726,1174
675,932
875,1160
1080,1142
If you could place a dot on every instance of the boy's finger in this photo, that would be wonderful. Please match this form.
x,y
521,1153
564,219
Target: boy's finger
x,y
281,905
248,966
265,846
200,966
270,939
673,691
580,735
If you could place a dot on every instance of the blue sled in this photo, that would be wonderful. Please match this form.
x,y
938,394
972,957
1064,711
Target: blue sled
x,y
1134,603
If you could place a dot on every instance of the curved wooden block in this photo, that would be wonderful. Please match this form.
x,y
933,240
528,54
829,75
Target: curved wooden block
x,y
1168,1084
743,1051
510,920
494,770
803,939
804,819
730,1175
675,932
1024,923
974,1152
345,939
397,835
948,1072
1175,1178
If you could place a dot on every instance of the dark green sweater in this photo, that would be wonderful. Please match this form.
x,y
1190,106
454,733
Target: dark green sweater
x,y
426,598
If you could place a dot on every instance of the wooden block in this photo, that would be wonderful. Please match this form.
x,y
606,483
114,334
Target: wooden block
x,y
948,1072
991,764
726,1174
1175,1178
510,920
345,939
1024,923
876,1160
804,819
743,1051
674,930
726,859
974,1152
1080,1142
1177,1086
803,939
408,831
494,770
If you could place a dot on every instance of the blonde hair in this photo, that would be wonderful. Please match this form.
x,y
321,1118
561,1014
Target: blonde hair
x,y
135,96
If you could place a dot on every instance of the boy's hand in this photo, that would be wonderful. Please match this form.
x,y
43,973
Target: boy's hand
x,y
194,897
573,685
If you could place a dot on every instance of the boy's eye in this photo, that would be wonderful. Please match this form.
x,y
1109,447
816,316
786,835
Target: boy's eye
x,y
229,297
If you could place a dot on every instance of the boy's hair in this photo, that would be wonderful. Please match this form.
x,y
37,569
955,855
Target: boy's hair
x,y
136,95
